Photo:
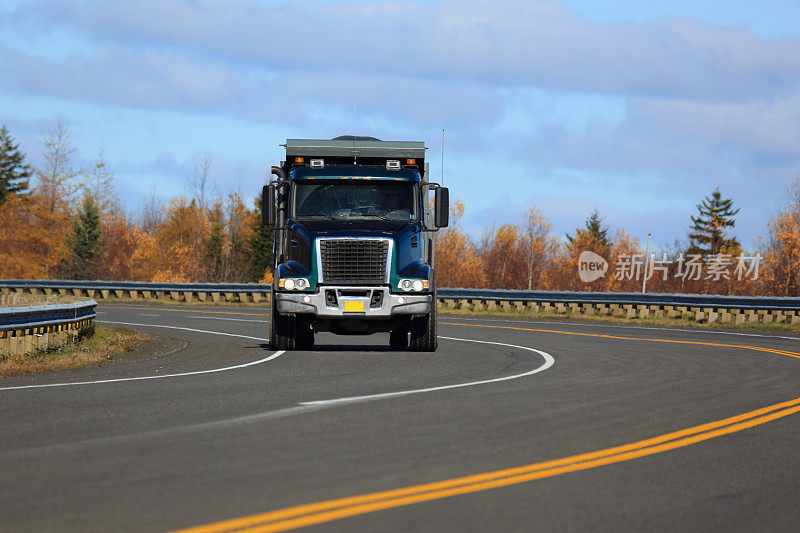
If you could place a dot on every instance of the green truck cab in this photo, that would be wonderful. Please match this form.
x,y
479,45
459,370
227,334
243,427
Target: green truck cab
x,y
354,242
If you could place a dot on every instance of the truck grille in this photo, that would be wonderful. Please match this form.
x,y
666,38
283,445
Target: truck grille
x,y
354,261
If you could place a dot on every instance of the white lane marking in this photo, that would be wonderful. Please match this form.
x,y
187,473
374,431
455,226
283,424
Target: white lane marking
x,y
178,327
548,362
621,326
160,376
303,407
147,314
230,319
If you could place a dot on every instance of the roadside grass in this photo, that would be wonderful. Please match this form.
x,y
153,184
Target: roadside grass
x,y
96,344
654,322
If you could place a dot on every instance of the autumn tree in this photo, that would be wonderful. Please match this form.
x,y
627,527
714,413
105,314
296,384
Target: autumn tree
x,y
624,247
23,245
100,182
593,234
85,241
214,246
151,212
781,271
708,234
58,179
457,261
198,188
57,182
119,236
14,172
537,247
501,255
592,237
240,232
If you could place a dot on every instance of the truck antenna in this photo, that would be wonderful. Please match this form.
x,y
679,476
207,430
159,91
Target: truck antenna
x,y
442,156
355,114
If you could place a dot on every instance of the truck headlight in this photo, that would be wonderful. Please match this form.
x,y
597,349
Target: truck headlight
x,y
413,284
293,283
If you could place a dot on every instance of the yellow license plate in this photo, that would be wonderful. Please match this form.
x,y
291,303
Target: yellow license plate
x,y
354,307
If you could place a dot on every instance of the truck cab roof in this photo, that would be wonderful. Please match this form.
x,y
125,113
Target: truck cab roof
x,y
356,152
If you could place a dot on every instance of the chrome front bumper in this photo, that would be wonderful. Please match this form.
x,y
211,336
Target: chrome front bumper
x,y
391,304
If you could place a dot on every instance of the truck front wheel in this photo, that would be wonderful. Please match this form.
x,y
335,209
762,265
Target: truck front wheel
x,y
423,332
282,330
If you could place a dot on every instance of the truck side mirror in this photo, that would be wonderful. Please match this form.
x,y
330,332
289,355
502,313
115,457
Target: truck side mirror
x,y
441,207
268,213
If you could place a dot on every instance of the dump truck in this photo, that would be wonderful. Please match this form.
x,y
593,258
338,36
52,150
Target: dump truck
x,y
354,220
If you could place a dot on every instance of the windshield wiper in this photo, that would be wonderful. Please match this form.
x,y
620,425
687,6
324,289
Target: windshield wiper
x,y
382,217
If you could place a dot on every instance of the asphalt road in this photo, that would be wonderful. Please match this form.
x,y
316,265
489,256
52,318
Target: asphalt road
x,y
227,428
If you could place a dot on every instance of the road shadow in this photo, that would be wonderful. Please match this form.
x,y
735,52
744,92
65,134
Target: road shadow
x,y
333,348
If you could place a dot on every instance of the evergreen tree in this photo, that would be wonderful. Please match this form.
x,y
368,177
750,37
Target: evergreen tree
x,y
707,233
14,173
85,242
260,246
593,234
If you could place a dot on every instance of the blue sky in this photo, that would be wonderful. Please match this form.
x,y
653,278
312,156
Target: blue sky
x,y
638,109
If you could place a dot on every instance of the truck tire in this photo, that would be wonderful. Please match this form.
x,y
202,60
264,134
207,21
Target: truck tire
x,y
423,331
398,339
282,330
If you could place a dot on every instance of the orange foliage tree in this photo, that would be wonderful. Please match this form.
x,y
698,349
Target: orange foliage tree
x,y
457,260
781,271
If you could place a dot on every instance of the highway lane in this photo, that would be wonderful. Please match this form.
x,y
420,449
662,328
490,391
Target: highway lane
x,y
175,452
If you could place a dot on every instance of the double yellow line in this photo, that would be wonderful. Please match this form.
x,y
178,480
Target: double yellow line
x,y
317,513
326,511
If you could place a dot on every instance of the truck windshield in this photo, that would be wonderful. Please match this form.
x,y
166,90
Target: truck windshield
x,y
354,200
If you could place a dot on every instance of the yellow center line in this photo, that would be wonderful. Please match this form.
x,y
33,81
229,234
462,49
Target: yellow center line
x,y
617,337
182,310
326,511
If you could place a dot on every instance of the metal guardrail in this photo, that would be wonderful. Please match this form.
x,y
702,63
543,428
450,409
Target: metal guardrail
x,y
136,290
623,298
698,307
27,329
45,316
